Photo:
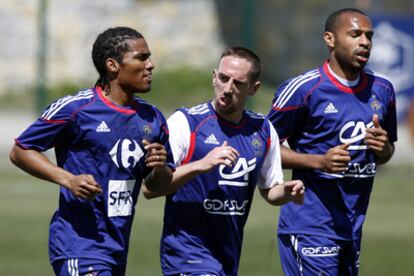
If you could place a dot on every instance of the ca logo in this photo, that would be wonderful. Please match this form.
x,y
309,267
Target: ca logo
x,y
129,157
241,169
353,132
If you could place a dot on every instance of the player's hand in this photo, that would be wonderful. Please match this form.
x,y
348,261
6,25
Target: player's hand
x,y
156,154
336,159
84,186
376,138
222,155
295,191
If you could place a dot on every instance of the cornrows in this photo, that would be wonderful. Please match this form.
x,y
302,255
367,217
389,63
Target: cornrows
x,y
111,44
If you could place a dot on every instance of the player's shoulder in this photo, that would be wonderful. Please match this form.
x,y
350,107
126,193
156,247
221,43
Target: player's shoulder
x,y
302,82
147,107
257,119
254,115
197,110
378,77
64,107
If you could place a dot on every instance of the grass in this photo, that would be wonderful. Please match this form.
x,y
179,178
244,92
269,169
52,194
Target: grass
x,y
27,204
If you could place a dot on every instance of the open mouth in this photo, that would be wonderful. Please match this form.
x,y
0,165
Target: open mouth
x,y
363,56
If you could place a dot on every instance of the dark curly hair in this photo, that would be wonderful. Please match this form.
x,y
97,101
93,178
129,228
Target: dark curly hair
x,y
111,44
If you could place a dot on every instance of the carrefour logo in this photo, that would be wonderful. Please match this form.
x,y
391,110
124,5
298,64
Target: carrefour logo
x,y
353,133
130,153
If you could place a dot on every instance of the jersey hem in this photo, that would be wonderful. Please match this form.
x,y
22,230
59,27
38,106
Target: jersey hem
x,y
102,258
318,233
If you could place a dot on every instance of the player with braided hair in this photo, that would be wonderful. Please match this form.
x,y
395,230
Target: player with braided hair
x,y
107,142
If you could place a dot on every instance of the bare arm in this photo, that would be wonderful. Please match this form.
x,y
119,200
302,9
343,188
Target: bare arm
x,y
38,165
159,179
224,154
283,193
334,160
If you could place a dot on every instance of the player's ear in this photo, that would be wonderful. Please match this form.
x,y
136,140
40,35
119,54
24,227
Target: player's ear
x,y
112,65
255,87
329,38
214,77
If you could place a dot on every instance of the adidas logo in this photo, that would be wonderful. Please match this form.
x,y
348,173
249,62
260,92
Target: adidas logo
x,y
103,127
330,108
211,140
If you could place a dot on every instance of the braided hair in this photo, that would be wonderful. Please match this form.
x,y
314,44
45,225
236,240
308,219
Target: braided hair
x,y
111,44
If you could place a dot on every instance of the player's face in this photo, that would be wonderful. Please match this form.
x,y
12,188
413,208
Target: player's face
x,y
353,41
232,87
135,70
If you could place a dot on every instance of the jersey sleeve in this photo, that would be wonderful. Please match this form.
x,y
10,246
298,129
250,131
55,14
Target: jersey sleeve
x,y
271,173
288,109
179,136
46,131
164,139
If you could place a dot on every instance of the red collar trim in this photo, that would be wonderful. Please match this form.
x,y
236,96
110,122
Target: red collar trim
x,y
356,89
112,105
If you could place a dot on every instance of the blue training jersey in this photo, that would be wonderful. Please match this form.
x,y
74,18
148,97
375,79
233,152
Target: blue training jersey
x,y
315,112
92,135
204,219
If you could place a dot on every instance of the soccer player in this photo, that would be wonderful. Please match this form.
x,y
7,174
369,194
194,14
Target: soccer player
x,y
107,141
340,123
221,151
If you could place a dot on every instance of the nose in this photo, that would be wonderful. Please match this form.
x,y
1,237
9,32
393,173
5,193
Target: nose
x,y
228,88
365,40
149,65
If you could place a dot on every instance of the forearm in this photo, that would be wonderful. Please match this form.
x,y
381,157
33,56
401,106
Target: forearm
x,y
157,182
182,175
38,165
295,160
387,154
275,195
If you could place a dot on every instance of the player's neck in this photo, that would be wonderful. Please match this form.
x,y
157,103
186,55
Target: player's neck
x,y
234,117
343,81
118,96
342,72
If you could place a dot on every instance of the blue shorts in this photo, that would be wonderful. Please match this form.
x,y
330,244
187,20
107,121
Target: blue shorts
x,y
87,267
314,255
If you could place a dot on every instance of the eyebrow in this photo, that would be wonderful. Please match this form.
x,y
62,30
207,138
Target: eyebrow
x,y
236,80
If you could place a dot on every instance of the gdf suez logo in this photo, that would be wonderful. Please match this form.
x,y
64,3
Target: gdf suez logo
x,y
225,207
321,251
130,153
354,132
240,170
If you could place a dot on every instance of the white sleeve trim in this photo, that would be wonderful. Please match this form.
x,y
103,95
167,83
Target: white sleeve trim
x,y
179,136
271,173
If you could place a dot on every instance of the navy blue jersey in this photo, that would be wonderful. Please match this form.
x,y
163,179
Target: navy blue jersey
x,y
315,112
204,219
92,135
